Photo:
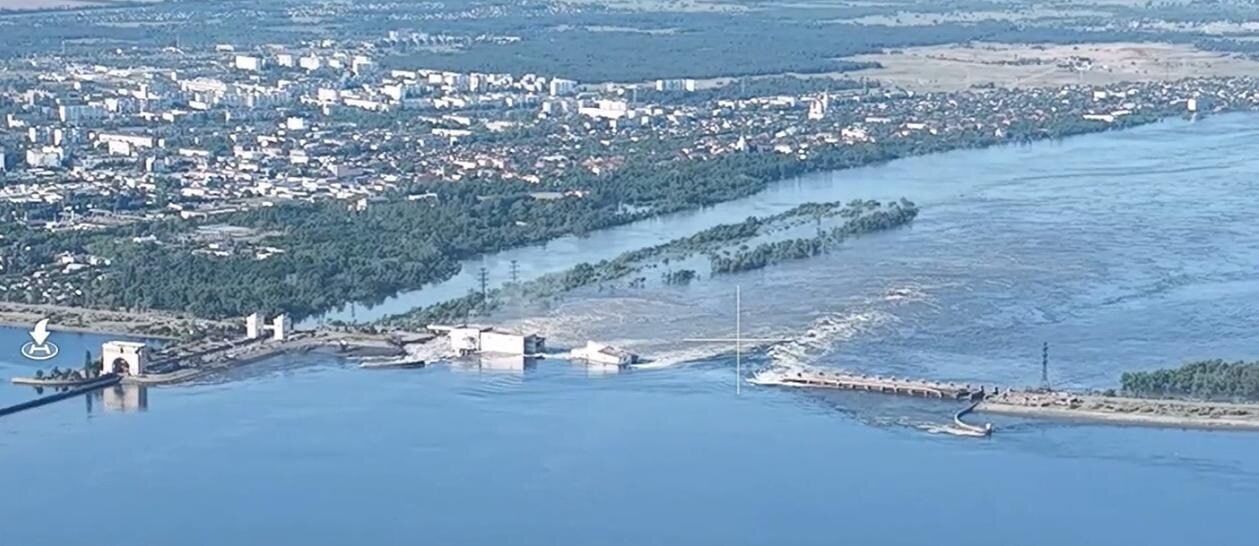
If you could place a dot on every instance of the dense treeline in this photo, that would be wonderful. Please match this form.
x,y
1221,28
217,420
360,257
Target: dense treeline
x,y
332,256
768,253
864,217
679,277
703,45
1208,380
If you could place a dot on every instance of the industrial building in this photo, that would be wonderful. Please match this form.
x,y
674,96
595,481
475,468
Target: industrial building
x,y
466,340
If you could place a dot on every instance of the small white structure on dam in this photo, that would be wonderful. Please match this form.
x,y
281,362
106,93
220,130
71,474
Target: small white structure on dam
x,y
124,357
280,326
607,355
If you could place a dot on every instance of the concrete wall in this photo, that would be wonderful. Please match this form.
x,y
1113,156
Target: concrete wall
x,y
500,342
465,340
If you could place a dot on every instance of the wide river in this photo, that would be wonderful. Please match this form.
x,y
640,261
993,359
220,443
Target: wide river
x,y
1124,250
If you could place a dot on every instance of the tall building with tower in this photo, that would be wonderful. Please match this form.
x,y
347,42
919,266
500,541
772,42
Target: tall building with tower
x,y
124,357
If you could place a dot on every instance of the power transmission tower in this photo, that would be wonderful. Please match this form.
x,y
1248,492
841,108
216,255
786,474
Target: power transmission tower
x,y
1044,365
483,276
515,271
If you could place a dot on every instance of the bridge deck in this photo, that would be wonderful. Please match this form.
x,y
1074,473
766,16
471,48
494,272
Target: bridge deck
x,y
873,383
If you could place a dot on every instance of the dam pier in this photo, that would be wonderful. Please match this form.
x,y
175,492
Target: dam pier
x,y
1034,403
136,363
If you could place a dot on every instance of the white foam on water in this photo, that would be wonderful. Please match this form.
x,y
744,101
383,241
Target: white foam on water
x,y
658,327
825,333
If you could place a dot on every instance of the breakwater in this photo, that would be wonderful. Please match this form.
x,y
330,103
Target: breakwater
x,y
83,388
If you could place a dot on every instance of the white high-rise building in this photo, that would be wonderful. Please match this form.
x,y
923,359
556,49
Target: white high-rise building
x,y
675,85
310,62
76,113
559,87
47,157
246,62
817,108
281,326
605,109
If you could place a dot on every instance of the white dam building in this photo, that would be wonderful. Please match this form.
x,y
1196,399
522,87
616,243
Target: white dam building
x,y
607,355
466,340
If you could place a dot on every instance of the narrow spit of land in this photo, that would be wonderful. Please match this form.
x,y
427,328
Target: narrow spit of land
x,y
1160,412
1123,410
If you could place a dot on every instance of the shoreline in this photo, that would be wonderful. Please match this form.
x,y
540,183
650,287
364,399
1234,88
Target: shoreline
x,y
1094,416
153,325
7,323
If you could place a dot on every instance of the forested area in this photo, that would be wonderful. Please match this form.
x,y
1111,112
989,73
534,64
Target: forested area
x,y
707,45
594,43
867,217
1207,380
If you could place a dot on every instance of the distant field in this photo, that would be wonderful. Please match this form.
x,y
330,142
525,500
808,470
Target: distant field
x,y
914,19
684,6
20,5
27,5
1028,65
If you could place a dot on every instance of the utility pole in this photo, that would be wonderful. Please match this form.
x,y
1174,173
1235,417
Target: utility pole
x,y
738,339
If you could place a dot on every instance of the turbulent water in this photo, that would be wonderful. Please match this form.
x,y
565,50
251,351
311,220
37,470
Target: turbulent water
x,y
1128,250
